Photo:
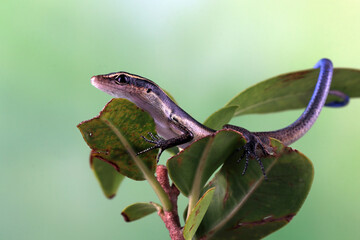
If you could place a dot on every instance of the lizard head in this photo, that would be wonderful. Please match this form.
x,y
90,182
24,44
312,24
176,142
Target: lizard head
x,y
123,84
141,91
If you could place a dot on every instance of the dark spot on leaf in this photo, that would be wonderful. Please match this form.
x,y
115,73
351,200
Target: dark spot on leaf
x,y
265,220
179,160
197,212
211,183
294,76
227,194
192,226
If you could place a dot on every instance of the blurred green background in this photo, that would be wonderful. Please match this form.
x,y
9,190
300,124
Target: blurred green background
x,y
203,53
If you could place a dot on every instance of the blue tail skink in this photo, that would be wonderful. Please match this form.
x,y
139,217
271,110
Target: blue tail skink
x,y
178,128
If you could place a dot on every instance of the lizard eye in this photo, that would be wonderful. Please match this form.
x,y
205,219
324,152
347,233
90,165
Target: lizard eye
x,y
120,79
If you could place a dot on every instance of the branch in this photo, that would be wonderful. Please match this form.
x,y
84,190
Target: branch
x,y
170,218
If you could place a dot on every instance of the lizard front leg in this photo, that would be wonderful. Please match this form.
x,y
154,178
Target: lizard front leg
x,y
164,144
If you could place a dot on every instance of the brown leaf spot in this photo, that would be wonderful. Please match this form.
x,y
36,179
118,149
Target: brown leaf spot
x,y
179,160
265,220
192,226
197,212
294,76
227,194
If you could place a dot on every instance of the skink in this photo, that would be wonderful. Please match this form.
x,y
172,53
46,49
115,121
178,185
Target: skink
x,y
178,128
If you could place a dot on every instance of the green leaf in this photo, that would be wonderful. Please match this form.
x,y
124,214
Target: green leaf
x,y
285,92
192,167
133,123
248,207
197,214
107,176
217,119
139,210
148,175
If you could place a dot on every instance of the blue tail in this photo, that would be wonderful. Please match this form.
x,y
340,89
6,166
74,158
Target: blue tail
x,y
344,102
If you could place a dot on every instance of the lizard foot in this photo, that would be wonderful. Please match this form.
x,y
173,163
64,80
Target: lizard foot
x,y
163,144
158,142
256,147
251,150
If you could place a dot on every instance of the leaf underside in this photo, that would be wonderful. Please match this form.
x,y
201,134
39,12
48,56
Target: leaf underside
x,y
137,211
108,177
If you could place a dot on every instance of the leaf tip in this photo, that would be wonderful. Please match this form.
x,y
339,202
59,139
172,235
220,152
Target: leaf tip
x,y
111,196
126,217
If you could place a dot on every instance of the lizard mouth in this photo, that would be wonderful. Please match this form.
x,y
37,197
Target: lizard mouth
x,y
99,83
93,81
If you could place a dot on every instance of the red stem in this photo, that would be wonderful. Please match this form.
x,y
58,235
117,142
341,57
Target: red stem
x,y
170,218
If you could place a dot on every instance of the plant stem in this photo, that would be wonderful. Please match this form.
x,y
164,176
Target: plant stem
x,y
163,197
170,218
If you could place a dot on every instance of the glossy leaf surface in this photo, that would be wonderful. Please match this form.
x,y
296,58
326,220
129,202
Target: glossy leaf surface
x,y
108,177
197,214
138,210
133,123
249,207
284,92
